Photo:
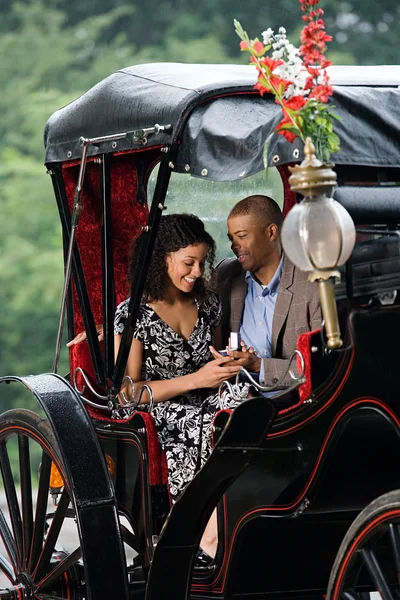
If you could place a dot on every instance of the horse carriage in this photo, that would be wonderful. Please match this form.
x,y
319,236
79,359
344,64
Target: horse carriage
x,y
307,491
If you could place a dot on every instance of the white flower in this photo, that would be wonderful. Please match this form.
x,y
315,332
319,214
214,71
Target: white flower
x,y
268,36
293,69
277,54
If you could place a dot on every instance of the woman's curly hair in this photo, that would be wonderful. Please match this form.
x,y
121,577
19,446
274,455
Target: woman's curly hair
x,y
175,232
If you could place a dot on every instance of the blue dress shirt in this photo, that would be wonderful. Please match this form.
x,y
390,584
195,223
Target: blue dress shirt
x,y
258,313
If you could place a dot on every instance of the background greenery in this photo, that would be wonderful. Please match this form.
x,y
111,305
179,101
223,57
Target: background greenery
x,y
51,52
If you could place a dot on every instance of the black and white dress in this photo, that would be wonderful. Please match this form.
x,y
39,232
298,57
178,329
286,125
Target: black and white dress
x,y
183,423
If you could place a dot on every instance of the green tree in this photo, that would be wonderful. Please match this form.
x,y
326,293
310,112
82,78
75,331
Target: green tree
x,y
34,84
154,23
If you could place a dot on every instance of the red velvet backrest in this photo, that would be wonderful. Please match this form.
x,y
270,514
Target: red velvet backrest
x,y
128,217
289,197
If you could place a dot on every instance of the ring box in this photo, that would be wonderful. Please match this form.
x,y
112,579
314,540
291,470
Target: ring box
x,y
234,340
234,343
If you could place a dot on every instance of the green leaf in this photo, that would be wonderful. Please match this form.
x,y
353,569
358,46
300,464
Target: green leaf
x,y
335,116
240,31
289,127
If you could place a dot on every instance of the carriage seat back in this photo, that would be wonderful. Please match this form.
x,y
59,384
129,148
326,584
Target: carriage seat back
x,y
373,268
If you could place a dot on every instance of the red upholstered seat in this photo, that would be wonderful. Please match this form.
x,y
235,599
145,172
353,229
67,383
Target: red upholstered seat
x,y
158,472
80,357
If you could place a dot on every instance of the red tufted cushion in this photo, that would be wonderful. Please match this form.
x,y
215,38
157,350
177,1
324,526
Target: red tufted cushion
x,y
304,346
305,389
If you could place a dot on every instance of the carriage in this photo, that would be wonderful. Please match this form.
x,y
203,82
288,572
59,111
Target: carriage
x,y
307,490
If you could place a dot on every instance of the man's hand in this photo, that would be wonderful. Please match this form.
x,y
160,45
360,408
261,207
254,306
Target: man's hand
x,y
213,373
81,337
245,357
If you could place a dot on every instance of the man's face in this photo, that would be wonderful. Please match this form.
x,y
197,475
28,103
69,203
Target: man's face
x,y
252,243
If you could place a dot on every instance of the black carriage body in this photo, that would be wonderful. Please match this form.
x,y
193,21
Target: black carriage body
x,y
288,482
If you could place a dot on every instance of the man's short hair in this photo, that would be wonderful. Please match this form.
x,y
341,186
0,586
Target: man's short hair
x,y
264,208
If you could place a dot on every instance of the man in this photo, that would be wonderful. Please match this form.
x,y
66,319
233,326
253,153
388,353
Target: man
x,y
263,295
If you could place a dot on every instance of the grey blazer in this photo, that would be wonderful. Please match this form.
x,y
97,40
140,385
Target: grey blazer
x,y
297,310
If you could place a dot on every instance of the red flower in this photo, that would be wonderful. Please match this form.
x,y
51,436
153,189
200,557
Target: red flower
x,y
258,47
261,88
314,72
321,92
279,85
244,45
270,63
289,135
274,83
295,103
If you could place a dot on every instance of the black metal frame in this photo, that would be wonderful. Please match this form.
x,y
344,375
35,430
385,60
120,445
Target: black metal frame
x,y
146,249
79,277
107,264
105,370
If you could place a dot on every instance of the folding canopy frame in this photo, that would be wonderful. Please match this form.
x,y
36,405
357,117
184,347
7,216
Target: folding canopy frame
x,y
194,106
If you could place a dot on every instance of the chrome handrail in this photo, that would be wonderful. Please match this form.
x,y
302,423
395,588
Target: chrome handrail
x,y
89,385
298,379
130,404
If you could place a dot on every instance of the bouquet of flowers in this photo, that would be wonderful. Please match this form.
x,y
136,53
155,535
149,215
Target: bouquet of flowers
x,y
298,79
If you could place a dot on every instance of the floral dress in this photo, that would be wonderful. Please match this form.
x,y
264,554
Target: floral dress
x,y
184,423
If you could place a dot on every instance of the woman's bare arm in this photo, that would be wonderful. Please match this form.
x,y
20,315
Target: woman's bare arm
x,y
211,375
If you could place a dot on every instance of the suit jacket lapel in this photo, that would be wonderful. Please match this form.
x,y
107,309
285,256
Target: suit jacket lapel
x,y
238,294
283,302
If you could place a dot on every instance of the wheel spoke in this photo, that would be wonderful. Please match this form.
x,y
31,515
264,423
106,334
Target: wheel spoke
x,y
52,536
8,540
12,500
376,573
41,510
394,532
60,569
6,568
26,496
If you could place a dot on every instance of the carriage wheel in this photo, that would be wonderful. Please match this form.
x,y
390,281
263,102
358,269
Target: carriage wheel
x,y
32,561
369,556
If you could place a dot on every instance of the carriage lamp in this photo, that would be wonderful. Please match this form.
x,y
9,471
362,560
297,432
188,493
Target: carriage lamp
x,y
318,234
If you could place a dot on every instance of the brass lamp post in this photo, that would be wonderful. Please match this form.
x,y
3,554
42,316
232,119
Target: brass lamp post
x,y
318,234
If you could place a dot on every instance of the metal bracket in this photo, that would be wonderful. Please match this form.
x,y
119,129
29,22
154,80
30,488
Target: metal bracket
x,y
137,135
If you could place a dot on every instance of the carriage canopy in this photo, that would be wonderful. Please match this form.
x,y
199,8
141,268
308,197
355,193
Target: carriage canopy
x,y
214,112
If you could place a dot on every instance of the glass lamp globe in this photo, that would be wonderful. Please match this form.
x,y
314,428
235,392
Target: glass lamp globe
x,y
318,234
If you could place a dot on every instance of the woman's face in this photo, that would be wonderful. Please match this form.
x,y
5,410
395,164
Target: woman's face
x,y
187,265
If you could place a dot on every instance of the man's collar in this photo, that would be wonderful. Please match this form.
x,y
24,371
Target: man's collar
x,y
273,284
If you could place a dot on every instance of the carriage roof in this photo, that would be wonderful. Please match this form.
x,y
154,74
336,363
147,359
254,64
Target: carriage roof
x,y
215,114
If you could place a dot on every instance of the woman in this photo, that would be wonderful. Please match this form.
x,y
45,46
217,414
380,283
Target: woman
x,y
177,322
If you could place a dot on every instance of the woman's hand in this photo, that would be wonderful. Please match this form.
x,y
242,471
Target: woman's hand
x,y
215,372
81,337
246,357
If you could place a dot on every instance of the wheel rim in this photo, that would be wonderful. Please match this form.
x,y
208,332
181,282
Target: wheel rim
x,y
372,562
30,561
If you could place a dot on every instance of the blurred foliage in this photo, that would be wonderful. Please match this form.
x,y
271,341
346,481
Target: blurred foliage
x,y
51,52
